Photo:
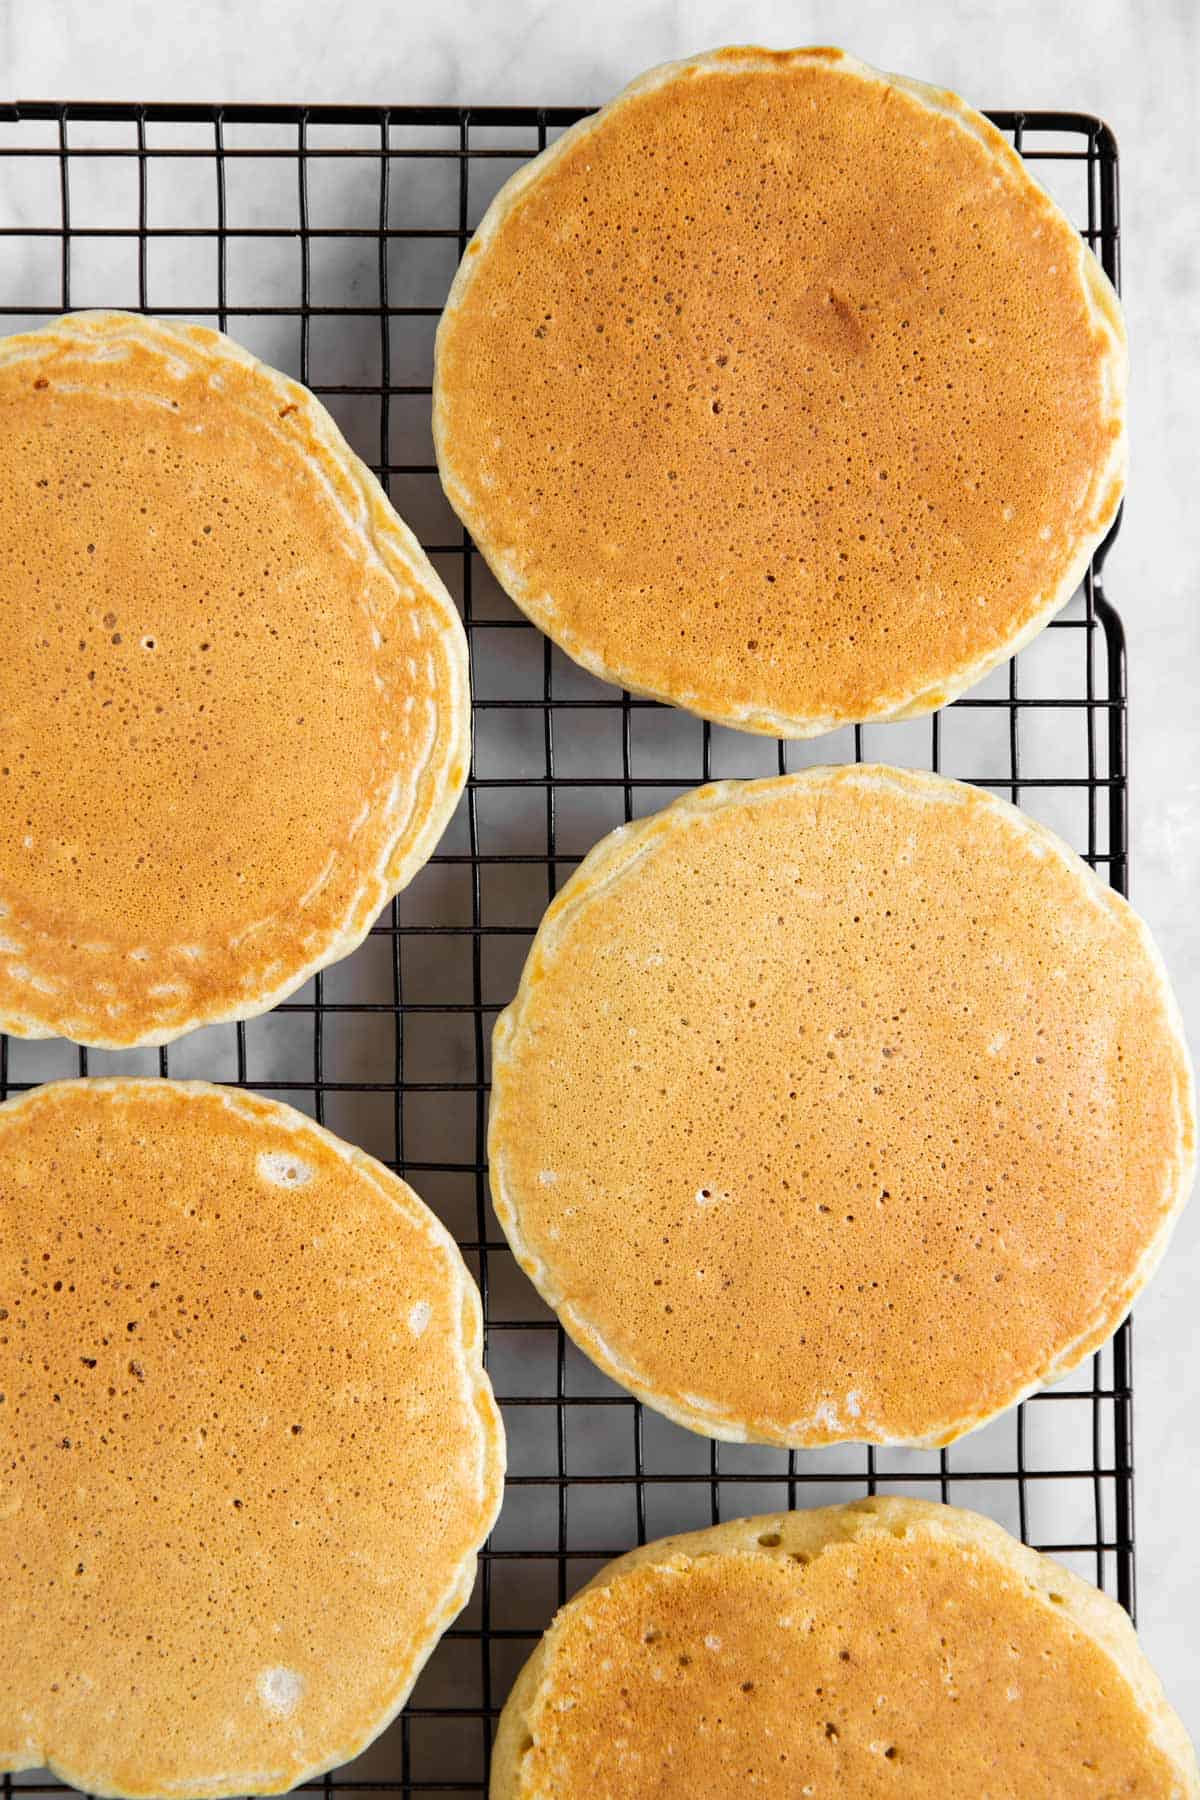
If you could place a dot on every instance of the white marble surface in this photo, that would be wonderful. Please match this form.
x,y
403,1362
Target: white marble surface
x,y
1134,63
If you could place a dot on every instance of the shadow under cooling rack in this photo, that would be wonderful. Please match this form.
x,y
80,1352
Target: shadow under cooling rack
x,y
325,239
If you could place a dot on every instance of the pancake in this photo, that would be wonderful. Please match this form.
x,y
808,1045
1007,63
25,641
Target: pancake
x,y
250,1451
887,1647
234,711
844,1106
780,390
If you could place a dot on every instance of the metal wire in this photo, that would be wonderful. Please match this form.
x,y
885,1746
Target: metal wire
x,y
1071,1443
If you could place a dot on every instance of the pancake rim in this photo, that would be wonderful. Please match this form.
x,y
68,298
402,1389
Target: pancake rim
x,y
1108,480
1098,1617
436,784
478,1398
602,867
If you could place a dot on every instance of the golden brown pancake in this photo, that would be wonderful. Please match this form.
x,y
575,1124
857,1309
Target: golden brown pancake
x,y
779,389
848,1105
249,1448
891,1647
234,714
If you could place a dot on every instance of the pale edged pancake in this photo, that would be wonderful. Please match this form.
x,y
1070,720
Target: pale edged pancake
x,y
249,1448
886,1647
234,706
781,391
844,1106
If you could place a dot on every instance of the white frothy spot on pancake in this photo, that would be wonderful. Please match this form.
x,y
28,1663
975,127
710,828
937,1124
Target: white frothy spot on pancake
x,y
283,1170
279,1689
419,1317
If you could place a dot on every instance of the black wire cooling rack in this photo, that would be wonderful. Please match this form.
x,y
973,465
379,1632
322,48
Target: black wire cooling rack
x,y
325,238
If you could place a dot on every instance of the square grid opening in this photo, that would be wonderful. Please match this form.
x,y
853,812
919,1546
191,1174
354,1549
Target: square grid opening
x,y
325,239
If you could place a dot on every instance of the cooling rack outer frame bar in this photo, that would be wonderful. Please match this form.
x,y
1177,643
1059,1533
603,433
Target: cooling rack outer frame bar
x,y
497,1631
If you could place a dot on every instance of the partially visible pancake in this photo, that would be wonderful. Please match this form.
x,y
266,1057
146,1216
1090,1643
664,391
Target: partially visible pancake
x,y
780,390
891,1647
234,712
848,1105
249,1448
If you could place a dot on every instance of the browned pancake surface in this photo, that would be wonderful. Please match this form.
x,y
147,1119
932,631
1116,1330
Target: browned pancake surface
x,y
781,391
848,1105
248,1447
891,1648
232,691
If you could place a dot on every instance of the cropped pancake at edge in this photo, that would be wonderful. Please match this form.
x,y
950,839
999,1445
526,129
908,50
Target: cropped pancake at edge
x,y
234,711
891,1647
844,1106
780,390
250,1451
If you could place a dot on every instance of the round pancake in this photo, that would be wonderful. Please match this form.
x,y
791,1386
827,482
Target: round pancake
x,y
845,1106
250,1451
234,711
887,1647
780,390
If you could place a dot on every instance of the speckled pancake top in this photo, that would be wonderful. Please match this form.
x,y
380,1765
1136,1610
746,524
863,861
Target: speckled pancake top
x,y
780,390
892,1647
248,1447
234,714
848,1105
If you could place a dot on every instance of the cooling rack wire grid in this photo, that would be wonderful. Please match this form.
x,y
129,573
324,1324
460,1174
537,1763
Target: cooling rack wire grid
x,y
325,239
